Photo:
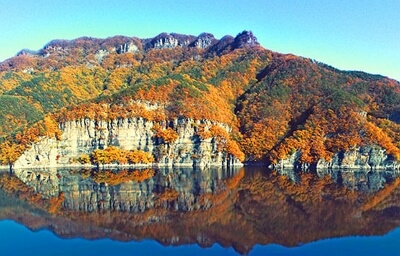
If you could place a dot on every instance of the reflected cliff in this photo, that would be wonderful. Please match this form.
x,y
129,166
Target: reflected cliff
x,y
236,208
137,190
363,180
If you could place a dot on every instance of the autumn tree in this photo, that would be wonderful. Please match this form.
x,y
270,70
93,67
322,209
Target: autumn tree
x,y
98,157
167,135
9,153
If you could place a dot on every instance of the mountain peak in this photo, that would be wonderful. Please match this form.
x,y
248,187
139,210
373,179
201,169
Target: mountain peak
x,y
204,40
245,38
166,40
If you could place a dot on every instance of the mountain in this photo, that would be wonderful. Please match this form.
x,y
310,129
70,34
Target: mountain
x,y
192,100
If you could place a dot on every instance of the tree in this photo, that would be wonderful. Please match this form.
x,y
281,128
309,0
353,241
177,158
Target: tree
x,y
139,156
98,157
84,159
9,153
167,135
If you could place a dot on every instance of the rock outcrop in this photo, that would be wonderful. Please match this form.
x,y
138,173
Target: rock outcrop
x,y
85,135
165,40
244,39
366,157
127,47
204,40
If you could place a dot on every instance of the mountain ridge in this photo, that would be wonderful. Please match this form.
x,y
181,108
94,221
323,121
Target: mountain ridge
x,y
122,44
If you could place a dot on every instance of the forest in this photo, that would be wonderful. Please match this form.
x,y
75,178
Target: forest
x,y
275,104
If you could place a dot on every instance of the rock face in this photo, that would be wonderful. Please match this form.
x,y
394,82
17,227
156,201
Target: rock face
x,y
366,157
85,135
246,38
165,40
204,40
127,47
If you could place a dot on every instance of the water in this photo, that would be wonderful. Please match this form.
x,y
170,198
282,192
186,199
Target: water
x,y
199,212
18,240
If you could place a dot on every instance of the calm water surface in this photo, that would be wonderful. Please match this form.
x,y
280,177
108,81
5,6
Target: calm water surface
x,y
251,211
18,240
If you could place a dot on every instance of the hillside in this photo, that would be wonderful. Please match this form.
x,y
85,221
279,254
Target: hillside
x,y
247,102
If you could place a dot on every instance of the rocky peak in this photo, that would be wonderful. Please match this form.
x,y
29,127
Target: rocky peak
x,y
246,38
183,40
204,40
223,45
26,52
166,41
120,44
163,40
56,45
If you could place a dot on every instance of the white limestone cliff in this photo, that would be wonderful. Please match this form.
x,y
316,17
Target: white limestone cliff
x,y
84,136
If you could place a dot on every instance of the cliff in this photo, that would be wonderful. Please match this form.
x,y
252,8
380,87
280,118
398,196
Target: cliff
x,y
85,135
364,157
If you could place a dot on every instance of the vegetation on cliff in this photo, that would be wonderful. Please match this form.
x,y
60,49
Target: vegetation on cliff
x,y
275,104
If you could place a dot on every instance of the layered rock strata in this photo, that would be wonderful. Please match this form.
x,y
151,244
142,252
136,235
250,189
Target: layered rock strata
x,y
84,136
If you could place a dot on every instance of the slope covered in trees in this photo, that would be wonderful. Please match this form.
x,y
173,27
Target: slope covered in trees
x,y
275,104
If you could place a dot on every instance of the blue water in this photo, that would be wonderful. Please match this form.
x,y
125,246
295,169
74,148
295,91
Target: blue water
x,y
15,239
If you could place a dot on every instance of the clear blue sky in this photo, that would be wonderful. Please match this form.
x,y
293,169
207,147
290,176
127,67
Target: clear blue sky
x,y
351,35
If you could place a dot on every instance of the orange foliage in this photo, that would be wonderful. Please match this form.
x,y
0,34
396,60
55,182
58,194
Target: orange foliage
x,y
233,148
9,153
55,203
109,112
138,156
51,128
15,186
381,195
114,154
234,181
167,135
168,195
377,135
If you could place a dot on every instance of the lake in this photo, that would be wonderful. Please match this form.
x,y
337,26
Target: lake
x,y
184,211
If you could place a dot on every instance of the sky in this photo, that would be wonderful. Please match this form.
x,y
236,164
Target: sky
x,y
350,35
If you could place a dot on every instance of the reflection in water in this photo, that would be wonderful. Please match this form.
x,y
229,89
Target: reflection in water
x,y
236,208
359,180
183,189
